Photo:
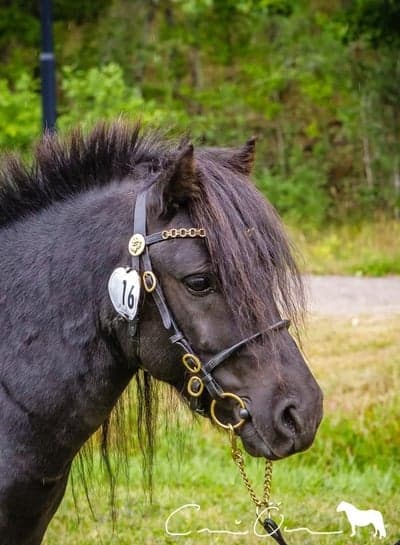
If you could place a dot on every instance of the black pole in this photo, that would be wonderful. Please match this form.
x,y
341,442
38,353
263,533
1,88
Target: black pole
x,y
47,68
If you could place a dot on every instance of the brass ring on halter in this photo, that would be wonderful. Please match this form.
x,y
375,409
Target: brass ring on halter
x,y
149,281
236,398
191,384
191,362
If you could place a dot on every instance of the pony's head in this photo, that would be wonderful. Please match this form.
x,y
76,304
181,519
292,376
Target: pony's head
x,y
237,281
343,505
226,293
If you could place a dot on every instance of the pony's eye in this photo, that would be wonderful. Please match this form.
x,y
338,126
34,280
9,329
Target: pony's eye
x,y
199,284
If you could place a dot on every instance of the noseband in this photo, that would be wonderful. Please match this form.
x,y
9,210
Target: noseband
x,y
201,376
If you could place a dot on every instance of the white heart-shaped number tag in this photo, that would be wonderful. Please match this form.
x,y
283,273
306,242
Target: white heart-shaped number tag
x,y
124,290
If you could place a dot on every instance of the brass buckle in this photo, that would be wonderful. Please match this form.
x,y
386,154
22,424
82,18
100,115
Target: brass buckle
x,y
236,398
191,362
149,281
191,384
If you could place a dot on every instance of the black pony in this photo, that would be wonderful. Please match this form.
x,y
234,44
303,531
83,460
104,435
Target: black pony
x,y
194,298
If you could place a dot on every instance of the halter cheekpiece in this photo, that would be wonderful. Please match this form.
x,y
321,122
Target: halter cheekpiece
x,y
200,374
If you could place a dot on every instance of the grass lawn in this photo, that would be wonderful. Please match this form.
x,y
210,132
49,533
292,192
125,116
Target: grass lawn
x,y
356,457
370,249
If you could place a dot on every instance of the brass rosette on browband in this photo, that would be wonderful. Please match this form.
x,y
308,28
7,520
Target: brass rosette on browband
x,y
136,245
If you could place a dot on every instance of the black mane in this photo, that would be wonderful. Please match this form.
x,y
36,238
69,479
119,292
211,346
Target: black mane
x,y
62,168
247,242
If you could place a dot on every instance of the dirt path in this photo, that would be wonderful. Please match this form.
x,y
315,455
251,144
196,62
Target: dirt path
x,y
351,296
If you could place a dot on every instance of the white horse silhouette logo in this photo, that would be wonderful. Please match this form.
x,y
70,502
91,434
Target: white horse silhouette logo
x,y
363,518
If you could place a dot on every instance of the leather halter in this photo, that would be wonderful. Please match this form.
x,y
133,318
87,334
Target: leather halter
x,y
200,373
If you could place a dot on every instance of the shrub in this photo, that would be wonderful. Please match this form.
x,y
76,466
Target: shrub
x,y
101,93
300,197
20,112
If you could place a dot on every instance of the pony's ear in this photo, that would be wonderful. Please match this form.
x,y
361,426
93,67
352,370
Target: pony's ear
x,y
176,184
239,160
242,159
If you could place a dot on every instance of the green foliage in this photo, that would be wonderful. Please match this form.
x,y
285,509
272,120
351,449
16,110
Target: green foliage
x,y
87,96
300,197
18,23
317,81
378,21
78,10
19,113
99,93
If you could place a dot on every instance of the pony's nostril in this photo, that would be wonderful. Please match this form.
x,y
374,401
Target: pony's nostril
x,y
287,420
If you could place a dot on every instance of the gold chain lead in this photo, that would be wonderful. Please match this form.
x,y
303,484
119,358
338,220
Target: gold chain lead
x,y
237,457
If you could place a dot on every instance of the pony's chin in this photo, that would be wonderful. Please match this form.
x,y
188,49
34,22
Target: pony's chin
x,y
254,444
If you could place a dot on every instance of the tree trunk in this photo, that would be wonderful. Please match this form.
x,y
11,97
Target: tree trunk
x,y
367,156
396,185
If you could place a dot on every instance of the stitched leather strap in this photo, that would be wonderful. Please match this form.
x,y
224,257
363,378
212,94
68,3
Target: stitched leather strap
x,y
224,354
154,238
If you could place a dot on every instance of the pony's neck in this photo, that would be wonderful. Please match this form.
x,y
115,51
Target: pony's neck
x,y
99,228
92,239
59,376
74,374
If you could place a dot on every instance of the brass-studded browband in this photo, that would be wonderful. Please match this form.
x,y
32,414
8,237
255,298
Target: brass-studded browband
x,y
138,242
200,374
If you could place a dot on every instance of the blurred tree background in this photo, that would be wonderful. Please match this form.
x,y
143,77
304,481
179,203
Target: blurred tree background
x,y
317,80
